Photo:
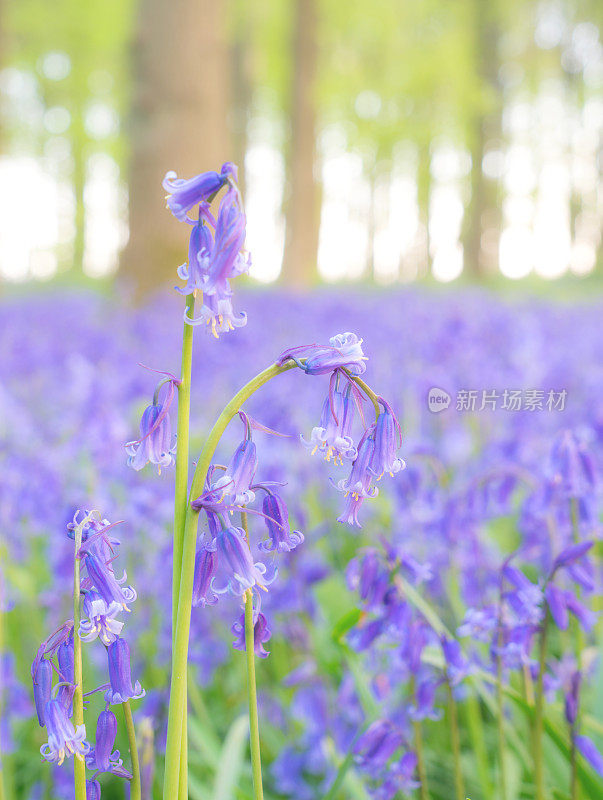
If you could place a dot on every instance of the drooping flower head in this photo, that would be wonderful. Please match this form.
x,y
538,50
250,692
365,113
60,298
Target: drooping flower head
x,y
99,619
205,570
261,632
388,438
235,562
102,757
120,678
216,257
280,537
236,481
332,437
184,193
345,350
155,445
63,739
42,688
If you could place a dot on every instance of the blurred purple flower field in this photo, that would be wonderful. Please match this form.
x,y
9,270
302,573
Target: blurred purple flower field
x,y
511,465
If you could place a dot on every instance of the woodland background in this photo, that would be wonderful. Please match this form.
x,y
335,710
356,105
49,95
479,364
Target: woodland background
x,y
392,141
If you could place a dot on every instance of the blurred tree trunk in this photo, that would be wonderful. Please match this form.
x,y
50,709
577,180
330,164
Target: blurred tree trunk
x,y
303,200
179,121
242,84
481,225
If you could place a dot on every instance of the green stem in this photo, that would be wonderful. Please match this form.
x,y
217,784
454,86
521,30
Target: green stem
x,y
79,765
456,743
367,390
500,722
135,782
418,735
177,701
573,765
180,504
254,724
538,715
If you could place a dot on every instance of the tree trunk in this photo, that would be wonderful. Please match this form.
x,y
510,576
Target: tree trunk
x,y
179,121
481,226
242,84
302,201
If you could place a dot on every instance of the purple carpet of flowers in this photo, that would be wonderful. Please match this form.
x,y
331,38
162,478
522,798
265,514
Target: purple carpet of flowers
x,y
368,633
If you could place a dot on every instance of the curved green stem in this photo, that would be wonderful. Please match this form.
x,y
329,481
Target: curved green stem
x,y
180,650
135,782
79,765
366,389
180,504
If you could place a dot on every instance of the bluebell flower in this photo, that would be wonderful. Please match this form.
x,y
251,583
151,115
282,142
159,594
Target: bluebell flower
x,y
98,619
358,486
102,757
572,469
399,778
63,739
155,445
239,474
66,658
280,537
218,315
42,688
261,633
562,601
102,577
213,263
367,575
205,569
388,438
226,260
236,561
121,689
183,193
377,744
93,790
457,666
479,623
425,697
589,751
199,249
572,698
332,436
344,350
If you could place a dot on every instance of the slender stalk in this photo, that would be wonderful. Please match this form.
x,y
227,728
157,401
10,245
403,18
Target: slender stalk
x,y
135,782
456,743
79,765
180,649
180,503
475,725
418,736
254,724
538,715
573,765
500,722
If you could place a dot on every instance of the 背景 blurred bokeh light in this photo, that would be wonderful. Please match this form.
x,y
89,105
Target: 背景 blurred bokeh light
x,y
390,142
